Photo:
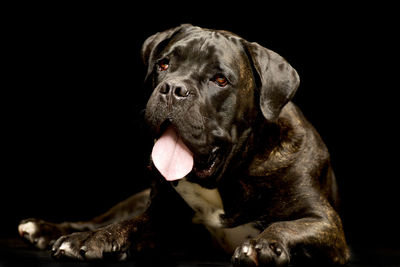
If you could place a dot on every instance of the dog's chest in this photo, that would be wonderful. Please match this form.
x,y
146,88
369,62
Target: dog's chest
x,y
208,206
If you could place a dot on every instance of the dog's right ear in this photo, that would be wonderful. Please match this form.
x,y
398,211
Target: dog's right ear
x,y
155,43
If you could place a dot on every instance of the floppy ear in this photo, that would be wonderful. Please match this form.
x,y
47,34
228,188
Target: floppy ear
x,y
277,80
155,43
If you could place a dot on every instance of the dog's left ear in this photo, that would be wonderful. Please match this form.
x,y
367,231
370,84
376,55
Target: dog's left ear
x,y
276,79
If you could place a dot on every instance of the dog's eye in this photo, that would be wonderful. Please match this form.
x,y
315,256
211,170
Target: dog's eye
x,y
221,80
163,65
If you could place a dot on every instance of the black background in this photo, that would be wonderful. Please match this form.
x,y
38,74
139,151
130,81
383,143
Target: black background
x,y
73,141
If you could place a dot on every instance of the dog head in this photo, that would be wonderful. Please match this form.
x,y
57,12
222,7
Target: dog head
x,y
207,89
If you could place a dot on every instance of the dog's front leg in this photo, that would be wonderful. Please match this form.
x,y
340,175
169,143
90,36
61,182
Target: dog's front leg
x,y
319,237
43,234
117,240
112,241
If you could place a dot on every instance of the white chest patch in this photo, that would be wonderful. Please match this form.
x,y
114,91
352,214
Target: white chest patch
x,y
207,205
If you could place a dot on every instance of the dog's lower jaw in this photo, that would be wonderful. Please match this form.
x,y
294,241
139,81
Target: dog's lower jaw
x,y
210,167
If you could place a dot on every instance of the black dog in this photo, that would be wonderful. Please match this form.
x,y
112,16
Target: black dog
x,y
232,153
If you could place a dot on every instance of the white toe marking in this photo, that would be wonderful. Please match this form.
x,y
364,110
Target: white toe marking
x,y
30,228
66,246
68,251
250,251
245,249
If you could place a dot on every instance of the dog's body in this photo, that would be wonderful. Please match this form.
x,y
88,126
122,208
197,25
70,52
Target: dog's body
x,y
232,153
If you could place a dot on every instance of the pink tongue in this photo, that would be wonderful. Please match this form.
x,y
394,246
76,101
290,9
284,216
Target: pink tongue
x,y
171,156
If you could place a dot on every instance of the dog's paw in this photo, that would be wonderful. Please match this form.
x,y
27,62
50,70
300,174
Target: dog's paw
x,y
109,242
40,233
260,252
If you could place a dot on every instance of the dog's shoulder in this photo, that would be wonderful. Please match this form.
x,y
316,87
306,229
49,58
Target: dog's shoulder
x,y
290,140
311,141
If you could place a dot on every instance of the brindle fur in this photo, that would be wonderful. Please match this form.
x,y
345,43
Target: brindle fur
x,y
275,169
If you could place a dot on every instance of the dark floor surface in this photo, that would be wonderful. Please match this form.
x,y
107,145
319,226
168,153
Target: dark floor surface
x,y
15,252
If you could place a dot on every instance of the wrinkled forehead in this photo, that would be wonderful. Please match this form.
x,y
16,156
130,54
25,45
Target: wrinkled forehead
x,y
205,45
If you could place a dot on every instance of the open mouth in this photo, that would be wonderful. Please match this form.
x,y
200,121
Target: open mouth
x,y
206,169
174,160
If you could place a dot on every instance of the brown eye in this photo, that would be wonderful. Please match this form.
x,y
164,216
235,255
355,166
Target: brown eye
x,y
163,65
221,80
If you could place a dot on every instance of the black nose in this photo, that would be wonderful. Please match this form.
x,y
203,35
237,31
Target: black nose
x,y
177,90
